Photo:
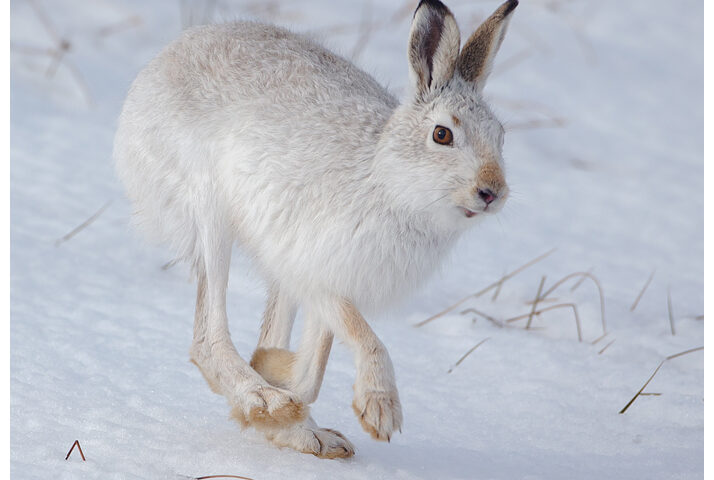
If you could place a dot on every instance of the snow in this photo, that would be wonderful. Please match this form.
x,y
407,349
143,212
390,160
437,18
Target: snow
x,y
612,178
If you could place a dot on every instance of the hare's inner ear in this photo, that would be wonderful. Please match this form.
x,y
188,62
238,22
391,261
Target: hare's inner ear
x,y
476,59
433,45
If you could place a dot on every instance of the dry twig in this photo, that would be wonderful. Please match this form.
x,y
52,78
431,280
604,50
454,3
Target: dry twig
x,y
597,284
467,354
366,26
76,443
221,476
535,302
481,314
669,310
580,282
605,347
498,290
83,225
642,292
599,338
487,289
671,357
553,307
170,264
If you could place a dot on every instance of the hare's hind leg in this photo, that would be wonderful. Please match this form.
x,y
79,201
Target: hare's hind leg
x,y
278,320
301,372
253,400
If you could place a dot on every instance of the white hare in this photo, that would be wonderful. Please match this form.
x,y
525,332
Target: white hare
x,y
344,199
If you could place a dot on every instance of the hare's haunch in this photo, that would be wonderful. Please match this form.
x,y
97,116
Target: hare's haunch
x,y
344,198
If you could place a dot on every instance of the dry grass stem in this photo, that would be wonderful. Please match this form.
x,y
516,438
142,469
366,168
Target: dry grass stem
x,y
553,307
45,21
111,29
366,27
597,284
222,476
83,225
535,302
605,347
79,447
467,354
170,264
32,50
487,289
542,300
577,284
671,357
498,290
642,292
481,314
669,311
57,54
594,342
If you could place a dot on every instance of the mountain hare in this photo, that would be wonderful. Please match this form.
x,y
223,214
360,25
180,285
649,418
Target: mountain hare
x,y
247,133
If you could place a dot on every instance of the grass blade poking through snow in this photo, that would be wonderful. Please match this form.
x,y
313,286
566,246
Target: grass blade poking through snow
x,y
642,292
487,289
484,315
669,310
83,225
467,354
222,476
535,302
671,357
553,307
597,284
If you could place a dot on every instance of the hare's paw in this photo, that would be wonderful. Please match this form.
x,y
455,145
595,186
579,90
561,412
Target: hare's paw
x,y
309,438
379,412
264,406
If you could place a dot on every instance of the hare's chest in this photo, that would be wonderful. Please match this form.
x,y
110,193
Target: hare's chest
x,y
389,270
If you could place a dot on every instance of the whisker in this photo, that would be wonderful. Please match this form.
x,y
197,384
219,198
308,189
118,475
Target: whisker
x,y
432,203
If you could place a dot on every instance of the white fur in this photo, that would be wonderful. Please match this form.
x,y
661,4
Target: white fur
x,y
246,133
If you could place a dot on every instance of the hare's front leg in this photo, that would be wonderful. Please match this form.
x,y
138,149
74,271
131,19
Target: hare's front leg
x,y
253,400
376,400
301,372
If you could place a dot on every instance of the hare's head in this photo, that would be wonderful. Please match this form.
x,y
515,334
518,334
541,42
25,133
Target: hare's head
x,y
444,145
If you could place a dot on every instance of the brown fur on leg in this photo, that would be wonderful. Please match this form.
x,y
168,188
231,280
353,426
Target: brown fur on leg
x,y
261,419
275,365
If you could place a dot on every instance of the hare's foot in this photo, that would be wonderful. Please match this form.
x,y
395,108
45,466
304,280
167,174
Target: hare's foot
x,y
307,437
254,401
264,406
379,412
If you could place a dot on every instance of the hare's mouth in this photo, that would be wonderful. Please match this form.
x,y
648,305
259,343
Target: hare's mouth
x,y
467,212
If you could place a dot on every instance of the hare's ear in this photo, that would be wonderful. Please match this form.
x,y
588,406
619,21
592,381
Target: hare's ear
x,y
476,58
433,45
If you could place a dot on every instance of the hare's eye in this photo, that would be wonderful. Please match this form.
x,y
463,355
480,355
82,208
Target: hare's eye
x,y
443,135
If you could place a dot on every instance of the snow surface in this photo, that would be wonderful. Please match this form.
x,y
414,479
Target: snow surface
x,y
610,173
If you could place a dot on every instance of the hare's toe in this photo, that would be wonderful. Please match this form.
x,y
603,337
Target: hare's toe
x,y
269,407
309,438
380,413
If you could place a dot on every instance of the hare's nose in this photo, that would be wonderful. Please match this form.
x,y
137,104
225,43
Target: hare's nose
x,y
486,195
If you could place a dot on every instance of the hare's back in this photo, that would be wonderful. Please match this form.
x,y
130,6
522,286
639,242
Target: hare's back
x,y
251,65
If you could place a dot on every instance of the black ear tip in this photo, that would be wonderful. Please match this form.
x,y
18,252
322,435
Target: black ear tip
x,y
434,4
509,6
